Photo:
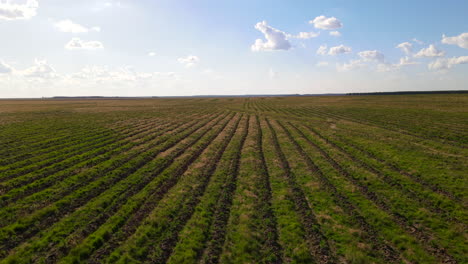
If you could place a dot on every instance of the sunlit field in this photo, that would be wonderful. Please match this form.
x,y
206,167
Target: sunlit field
x,y
328,179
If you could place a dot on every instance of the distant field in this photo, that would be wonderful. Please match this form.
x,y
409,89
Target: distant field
x,y
332,179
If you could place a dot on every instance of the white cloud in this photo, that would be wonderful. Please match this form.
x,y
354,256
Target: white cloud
x,y
406,47
40,70
368,56
342,49
5,68
306,35
101,5
102,73
352,65
430,51
69,26
386,67
372,55
447,63
275,39
13,11
460,40
415,40
124,74
322,50
406,61
323,22
189,61
335,33
78,44
152,54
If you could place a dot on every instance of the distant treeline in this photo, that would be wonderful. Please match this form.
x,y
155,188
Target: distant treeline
x,y
260,95
411,92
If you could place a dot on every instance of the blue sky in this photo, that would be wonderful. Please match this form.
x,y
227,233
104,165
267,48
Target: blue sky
x,y
189,47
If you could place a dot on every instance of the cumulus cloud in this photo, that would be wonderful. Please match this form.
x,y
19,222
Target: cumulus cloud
x,y
447,63
322,50
323,22
275,39
385,66
5,68
101,74
335,33
372,55
352,65
460,40
406,47
40,70
415,40
430,51
152,54
306,35
189,61
78,44
101,5
369,56
13,11
342,49
69,26
406,61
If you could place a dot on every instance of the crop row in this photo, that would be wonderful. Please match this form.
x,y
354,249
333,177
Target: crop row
x,y
119,169
374,190
98,157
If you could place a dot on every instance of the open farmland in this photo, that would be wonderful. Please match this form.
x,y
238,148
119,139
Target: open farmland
x,y
329,179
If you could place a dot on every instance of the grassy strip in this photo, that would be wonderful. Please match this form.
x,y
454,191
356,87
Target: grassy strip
x,y
62,138
143,204
28,226
198,166
413,158
37,190
317,242
378,246
120,129
175,209
71,160
396,168
194,231
291,233
369,187
437,202
251,235
399,123
117,223
39,161
60,160
108,200
222,211
370,123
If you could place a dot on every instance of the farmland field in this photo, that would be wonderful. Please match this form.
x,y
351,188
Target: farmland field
x,y
328,179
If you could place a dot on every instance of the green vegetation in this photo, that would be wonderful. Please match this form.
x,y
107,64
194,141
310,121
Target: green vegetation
x,y
332,179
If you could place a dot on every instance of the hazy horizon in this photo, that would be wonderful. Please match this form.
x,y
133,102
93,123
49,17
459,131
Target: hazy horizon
x,y
183,48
